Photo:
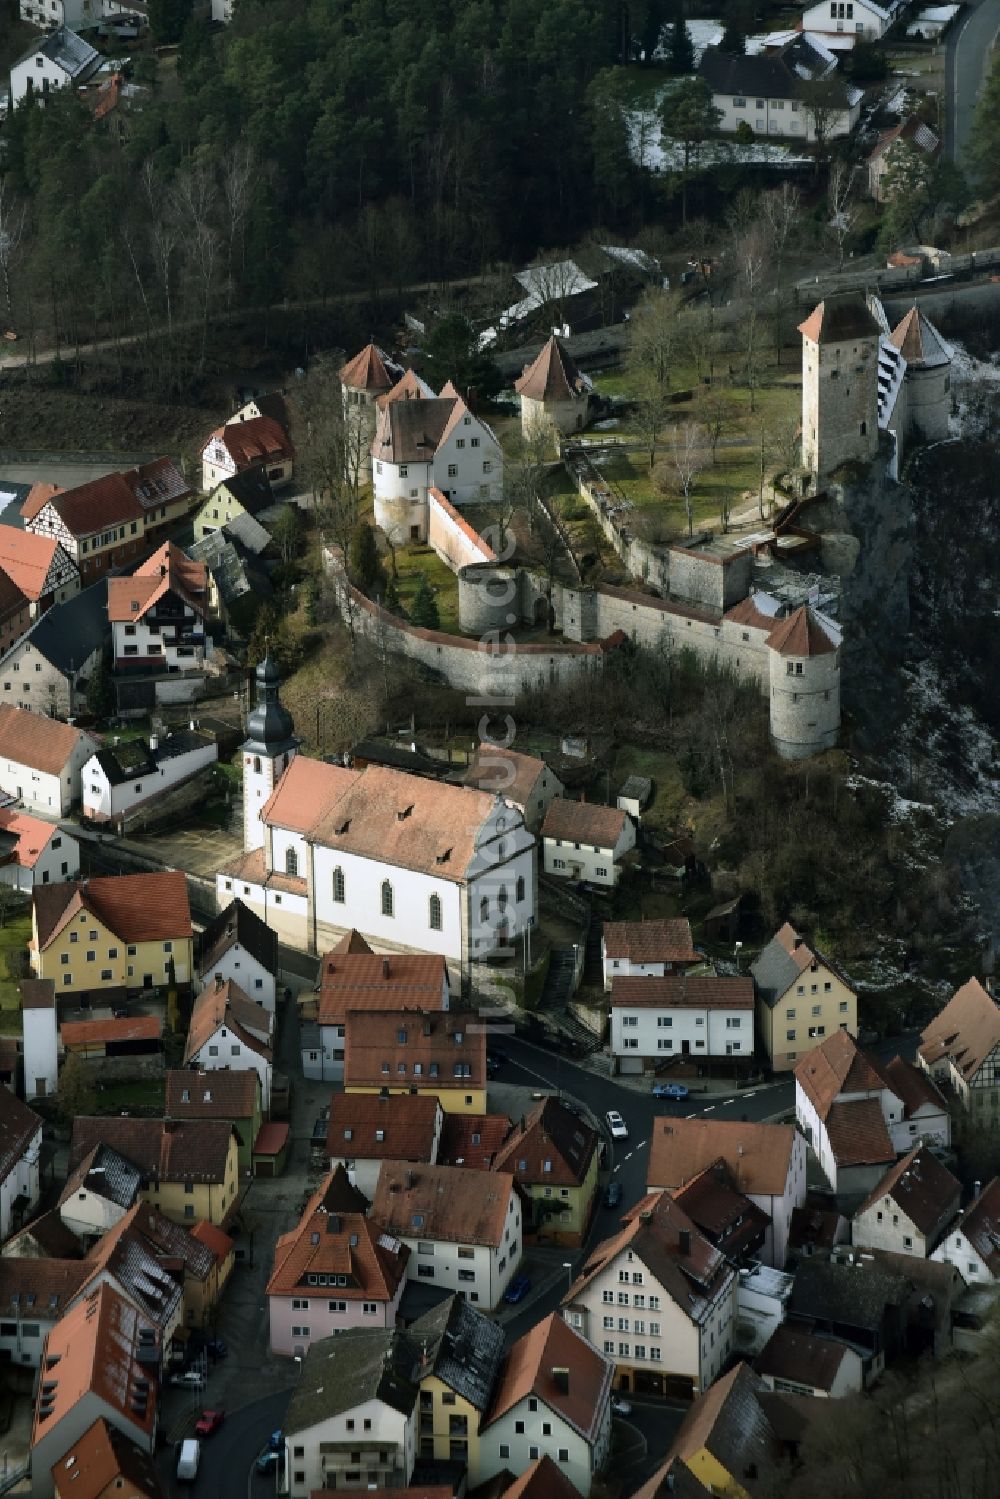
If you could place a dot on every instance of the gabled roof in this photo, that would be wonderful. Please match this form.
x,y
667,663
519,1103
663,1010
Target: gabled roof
x,y
801,634
505,772
919,342
442,1202
551,1146
920,1186
552,375
412,431
103,1459
368,1126
462,1347
913,1087
584,822
224,1093
136,907
77,58
541,1479
853,1295
683,991
370,370
839,319
31,835
107,1173
837,1066
158,483
728,1421
410,387
370,981
349,1369
19,1126
779,75
68,634
759,1156
251,488
162,1150
236,925
531,1367
111,1029
726,1217
257,440
41,1288
665,941
804,1358
472,1140
166,571
331,1241
31,739
46,1237
305,793
858,1134
981,1226
783,960
226,1004
135,1264
966,1031
374,1054
91,507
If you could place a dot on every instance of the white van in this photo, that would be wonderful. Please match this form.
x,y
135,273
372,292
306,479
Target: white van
x,y
187,1463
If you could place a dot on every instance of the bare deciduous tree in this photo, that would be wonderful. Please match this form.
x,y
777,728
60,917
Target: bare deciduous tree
x,y
687,460
13,224
329,443
653,336
843,205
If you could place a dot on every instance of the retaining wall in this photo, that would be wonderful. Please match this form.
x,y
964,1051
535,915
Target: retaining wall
x,y
451,536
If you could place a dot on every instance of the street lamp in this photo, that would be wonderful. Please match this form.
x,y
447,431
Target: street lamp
x,y
568,1267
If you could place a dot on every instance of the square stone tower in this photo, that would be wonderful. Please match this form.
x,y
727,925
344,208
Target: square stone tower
x,y
839,384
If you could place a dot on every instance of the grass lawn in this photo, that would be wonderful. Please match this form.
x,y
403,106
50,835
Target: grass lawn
x,y
411,561
114,1097
11,1023
13,939
666,812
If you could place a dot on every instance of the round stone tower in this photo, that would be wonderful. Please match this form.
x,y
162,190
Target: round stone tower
x,y
804,680
839,384
928,375
268,750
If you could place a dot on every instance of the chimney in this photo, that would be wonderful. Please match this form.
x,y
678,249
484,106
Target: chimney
x,y
560,1378
385,968
977,1187
154,742
684,1241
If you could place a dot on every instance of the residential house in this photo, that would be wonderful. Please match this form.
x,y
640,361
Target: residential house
x,y
243,496
40,1037
352,977
109,521
120,781
157,614
40,568
44,1238
724,1215
660,1300
908,1211
472,1140
852,1110
777,94
200,1259
463,1228
862,18
33,852
461,1354
797,1362
334,1271
259,443
801,998
41,760
130,1262
101,1360
655,1020
237,945
15,612
34,1294
424,442
207,1278
961,1047
20,1154
76,15
229,1030
856,1298
411,864
233,1096
725,1443
583,841
554,1156
647,949
237,581
60,60
351,1420
541,1479
105,1464
270,403
48,670
554,394
524,781
441,1054
187,1169
553,1399
129,932
99,1191
365,1130
891,147
766,1162
972,1242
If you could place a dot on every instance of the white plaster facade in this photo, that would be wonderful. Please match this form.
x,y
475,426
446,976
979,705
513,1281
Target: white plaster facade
x,y
788,118
580,861
639,1032
105,800
75,14
139,642
531,1429
846,17
885,1225
58,859
89,1215
41,1049
317,1455
466,466
242,968
49,793
482,1272
226,1051
22,1180
958,1250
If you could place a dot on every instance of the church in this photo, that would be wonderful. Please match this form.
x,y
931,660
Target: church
x,y
414,865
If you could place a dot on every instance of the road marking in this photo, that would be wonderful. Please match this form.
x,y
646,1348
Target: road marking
x,y
710,1109
629,1156
728,1102
642,1143
690,1116
618,1167
751,1095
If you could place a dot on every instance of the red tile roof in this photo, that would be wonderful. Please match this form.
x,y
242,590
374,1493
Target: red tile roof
x,y
472,1140
214,1239
759,1156
366,1126
103,502
801,634
39,496
222,1094
584,822
981,1226
369,981
136,907
457,519
259,439
272,1138
805,1358
375,1057
102,1459
167,571
32,739
530,1371
551,375
913,1087
225,1004
93,1032
331,1239
857,1133
32,833
551,1145
839,319
455,1206
541,1479
683,991
162,1150
367,371
921,1187
967,1030
504,772
746,613
666,941
836,1066
307,791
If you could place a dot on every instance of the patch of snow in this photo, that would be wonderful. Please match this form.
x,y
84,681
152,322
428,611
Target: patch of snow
x,y
703,34
648,150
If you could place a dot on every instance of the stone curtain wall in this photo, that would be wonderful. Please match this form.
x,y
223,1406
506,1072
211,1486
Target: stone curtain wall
x,y
454,540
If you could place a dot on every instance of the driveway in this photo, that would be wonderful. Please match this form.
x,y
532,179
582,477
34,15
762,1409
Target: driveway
x,y
968,54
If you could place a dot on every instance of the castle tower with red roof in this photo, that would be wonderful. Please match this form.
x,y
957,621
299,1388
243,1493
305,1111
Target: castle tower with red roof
x,y
840,347
804,679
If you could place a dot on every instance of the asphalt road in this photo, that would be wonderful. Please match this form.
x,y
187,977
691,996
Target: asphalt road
x,y
967,59
227,1469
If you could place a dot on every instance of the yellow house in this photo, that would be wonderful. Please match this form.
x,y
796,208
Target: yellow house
x,y
461,1353
132,932
712,1441
554,1157
247,493
433,1053
190,1169
801,999
205,1282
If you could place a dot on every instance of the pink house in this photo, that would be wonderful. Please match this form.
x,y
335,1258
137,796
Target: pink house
x,y
335,1270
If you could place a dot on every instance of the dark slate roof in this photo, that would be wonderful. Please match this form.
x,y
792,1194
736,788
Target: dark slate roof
x,y
68,634
851,1295
780,75
231,565
464,1347
252,489
124,762
774,972
237,923
349,1368
248,532
70,52
108,1174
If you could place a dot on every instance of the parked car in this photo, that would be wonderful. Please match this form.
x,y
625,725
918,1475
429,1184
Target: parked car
x,y
208,1423
518,1289
620,1406
191,1379
617,1125
268,1460
187,1463
612,1194
676,1091
216,1349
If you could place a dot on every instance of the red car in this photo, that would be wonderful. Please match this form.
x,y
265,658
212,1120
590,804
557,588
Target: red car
x,y
208,1422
